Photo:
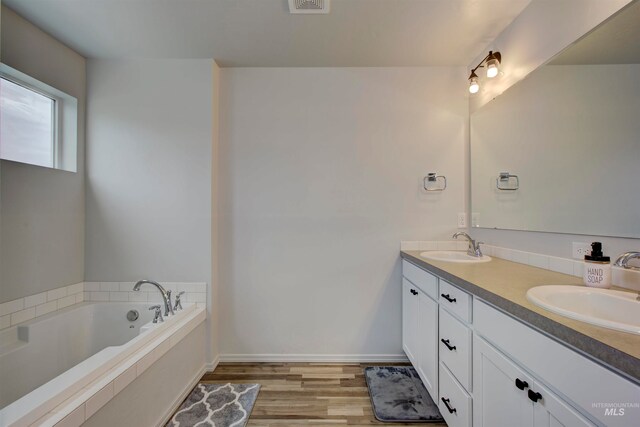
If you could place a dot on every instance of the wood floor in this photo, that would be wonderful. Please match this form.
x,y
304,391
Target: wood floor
x,y
300,394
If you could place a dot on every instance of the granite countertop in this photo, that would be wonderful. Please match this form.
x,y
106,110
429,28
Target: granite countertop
x,y
504,284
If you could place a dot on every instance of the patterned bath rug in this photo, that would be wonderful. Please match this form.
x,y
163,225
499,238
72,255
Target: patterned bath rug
x,y
216,405
398,395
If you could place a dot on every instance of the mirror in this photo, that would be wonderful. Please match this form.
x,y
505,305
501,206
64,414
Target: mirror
x,y
568,138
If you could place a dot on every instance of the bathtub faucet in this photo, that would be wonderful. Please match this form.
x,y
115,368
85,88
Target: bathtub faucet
x,y
166,295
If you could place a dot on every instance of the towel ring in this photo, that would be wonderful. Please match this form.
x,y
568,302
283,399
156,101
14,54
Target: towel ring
x,y
432,177
504,179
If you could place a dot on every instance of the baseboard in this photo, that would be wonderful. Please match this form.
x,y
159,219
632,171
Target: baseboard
x,y
211,366
183,395
330,358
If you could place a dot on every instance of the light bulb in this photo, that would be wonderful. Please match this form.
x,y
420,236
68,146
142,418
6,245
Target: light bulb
x,y
492,68
474,87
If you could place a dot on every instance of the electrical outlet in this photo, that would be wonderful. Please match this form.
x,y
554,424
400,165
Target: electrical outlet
x,y
580,249
462,220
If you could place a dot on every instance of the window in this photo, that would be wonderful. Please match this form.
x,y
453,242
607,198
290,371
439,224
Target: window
x,y
38,123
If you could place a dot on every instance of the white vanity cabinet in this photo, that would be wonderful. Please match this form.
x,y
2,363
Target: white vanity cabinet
x,y
420,324
485,368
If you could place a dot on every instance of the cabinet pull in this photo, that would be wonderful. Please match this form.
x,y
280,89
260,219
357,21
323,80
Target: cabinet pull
x,y
446,342
448,297
446,403
534,395
414,292
521,384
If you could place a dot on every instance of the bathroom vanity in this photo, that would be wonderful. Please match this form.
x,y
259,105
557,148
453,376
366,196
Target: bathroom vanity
x,y
490,358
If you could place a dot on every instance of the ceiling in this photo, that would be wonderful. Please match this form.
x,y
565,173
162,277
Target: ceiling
x,y
262,32
616,41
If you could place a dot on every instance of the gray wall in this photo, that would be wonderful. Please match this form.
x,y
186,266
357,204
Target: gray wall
x,y
149,179
42,210
320,179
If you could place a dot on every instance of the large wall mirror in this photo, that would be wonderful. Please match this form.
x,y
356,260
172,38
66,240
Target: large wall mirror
x,y
560,150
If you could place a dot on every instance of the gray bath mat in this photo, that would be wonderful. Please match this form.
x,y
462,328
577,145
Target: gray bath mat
x,y
220,405
398,395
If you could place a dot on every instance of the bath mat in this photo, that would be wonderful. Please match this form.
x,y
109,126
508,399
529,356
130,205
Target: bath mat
x,y
220,405
398,395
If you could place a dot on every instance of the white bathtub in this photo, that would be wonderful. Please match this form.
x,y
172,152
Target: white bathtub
x,y
47,360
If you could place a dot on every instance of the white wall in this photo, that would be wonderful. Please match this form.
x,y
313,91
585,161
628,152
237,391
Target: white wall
x,y
150,148
542,30
321,174
42,210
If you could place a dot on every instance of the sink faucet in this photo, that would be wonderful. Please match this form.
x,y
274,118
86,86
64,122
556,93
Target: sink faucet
x,y
166,295
623,260
474,247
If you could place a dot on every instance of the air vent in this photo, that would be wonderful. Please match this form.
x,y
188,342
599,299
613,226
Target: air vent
x,y
309,6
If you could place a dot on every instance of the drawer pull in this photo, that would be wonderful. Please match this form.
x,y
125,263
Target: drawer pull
x,y
448,297
414,292
446,403
534,395
521,384
446,342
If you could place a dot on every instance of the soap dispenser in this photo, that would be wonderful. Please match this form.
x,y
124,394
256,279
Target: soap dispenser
x,y
597,268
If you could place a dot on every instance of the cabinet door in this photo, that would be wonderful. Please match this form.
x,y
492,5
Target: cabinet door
x,y
409,320
550,411
428,343
499,400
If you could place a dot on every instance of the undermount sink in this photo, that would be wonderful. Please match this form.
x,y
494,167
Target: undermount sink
x,y
608,308
454,256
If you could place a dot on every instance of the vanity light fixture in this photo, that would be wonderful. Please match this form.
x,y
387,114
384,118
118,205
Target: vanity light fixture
x,y
492,63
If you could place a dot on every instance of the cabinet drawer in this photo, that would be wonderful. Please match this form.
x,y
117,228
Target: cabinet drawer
x,y
427,282
455,347
458,414
455,300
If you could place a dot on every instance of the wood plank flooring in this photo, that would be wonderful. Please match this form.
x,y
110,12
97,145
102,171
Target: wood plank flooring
x,y
301,394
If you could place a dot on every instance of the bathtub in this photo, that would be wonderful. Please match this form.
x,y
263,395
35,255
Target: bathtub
x,y
45,361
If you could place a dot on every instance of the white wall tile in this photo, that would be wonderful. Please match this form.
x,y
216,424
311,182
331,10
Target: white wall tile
x,y
23,315
99,296
91,286
138,296
98,400
520,257
124,379
46,308
126,286
561,265
538,260
80,297
109,286
74,419
74,289
196,297
447,246
5,321
56,294
119,296
66,301
11,306
462,245
34,300
503,253
578,268
410,246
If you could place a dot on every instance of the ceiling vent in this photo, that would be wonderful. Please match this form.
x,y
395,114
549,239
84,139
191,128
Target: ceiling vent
x,y
309,6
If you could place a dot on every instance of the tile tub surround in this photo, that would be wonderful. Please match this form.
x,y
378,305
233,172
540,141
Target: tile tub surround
x,y
194,292
27,308
621,277
504,284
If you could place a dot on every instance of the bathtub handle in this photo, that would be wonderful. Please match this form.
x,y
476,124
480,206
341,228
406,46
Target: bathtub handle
x,y
178,304
158,314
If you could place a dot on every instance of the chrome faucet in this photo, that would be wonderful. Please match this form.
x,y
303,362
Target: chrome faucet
x,y
474,247
623,260
166,295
